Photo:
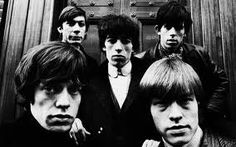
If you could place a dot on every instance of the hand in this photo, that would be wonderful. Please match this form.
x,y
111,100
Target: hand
x,y
78,132
150,143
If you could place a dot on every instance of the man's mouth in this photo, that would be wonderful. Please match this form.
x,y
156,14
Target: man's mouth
x,y
60,119
118,57
178,130
75,38
172,42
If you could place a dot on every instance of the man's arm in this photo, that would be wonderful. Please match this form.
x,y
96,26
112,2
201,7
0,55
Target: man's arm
x,y
220,85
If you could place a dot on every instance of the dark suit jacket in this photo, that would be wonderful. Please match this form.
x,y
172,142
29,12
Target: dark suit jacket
x,y
109,125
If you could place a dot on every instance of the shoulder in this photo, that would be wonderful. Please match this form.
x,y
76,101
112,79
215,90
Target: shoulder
x,y
13,133
148,53
194,48
100,77
139,64
213,138
140,55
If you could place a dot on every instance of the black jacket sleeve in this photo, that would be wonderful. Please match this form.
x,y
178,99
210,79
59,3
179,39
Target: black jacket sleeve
x,y
215,82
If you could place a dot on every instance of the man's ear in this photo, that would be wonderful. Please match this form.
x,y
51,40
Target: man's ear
x,y
156,29
59,29
104,49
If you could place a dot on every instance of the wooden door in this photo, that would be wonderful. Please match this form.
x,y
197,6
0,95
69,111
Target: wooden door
x,y
141,11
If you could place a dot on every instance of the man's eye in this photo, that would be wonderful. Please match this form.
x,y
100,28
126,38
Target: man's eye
x,y
49,90
161,105
52,89
168,27
184,102
112,40
71,23
125,41
81,24
179,27
74,90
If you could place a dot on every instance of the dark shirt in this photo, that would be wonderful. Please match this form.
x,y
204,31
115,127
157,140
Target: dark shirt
x,y
27,132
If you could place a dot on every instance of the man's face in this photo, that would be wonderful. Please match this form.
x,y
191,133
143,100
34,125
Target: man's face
x,y
56,105
118,51
177,122
73,31
171,37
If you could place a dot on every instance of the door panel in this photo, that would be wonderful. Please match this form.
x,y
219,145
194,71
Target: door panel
x,y
95,9
94,3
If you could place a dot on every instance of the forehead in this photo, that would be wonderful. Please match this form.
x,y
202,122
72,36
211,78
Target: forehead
x,y
118,36
79,18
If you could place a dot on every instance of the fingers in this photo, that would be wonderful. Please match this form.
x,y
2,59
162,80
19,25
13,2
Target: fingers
x,y
75,139
72,134
150,143
78,132
80,128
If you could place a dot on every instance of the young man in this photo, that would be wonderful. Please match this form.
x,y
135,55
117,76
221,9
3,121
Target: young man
x,y
73,27
173,22
50,79
174,93
110,113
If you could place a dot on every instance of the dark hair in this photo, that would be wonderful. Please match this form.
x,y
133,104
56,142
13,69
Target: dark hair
x,y
49,62
69,13
118,26
173,14
170,79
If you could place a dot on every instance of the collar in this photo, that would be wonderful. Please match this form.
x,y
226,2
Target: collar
x,y
125,70
165,53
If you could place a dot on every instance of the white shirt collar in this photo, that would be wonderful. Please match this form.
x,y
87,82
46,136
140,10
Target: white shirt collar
x,y
113,71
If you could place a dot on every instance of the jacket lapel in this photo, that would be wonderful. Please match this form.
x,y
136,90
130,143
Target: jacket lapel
x,y
105,95
136,75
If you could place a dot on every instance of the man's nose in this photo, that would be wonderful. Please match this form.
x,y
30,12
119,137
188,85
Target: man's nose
x,y
118,46
76,28
173,32
175,112
63,100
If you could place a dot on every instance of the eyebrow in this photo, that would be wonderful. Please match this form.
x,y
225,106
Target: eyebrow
x,y
76,20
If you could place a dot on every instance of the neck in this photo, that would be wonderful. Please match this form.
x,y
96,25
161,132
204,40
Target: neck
x,y
194,142
168,51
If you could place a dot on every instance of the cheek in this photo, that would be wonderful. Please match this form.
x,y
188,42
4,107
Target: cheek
x,y
76,100
129,49
83,29
193,115
66,27
108,49
158,117
41,99
75,103
67,30
180,37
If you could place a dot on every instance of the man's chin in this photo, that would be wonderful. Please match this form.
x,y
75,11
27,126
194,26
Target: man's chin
x,y
60,128
179,141
118,64
75,42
